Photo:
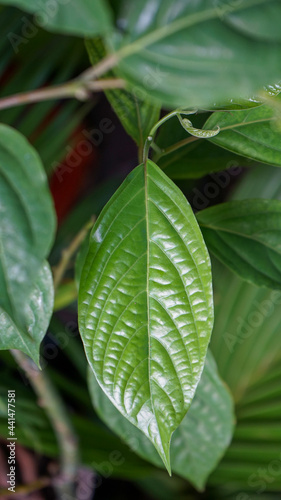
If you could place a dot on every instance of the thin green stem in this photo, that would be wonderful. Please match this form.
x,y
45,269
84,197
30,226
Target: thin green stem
x,y
66,294
68,253
152,133
178,145
51,401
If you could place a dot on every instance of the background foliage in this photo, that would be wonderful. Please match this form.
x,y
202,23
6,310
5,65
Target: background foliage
x,y
225,160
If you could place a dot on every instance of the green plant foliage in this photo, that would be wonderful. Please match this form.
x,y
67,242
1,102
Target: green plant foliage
x,y
252,133
36,309
143,274
191,159
246,345
39,61
198,53
145,303
200,440
136,113
98,444
245,235
86,18
27,221
196,132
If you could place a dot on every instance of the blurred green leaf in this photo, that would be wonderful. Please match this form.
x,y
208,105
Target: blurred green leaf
x,y
86,18
246,236
135,112
37,309
246,344
200,440
198,53
27,221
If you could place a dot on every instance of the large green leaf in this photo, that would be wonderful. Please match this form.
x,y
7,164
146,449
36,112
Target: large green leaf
x,y
250,133
27,221
200,440
246,236
135,112
145,303
37,309
197,53
86,17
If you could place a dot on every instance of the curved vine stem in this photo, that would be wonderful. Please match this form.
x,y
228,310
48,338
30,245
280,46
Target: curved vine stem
x,y
151,135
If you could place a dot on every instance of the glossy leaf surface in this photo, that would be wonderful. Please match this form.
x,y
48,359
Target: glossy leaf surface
x,y
86,17
145,303
246,236
136,113
197,53
200,440
27,221
37,310
250,133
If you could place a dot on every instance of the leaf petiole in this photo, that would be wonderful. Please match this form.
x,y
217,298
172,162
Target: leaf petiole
x,y
149,140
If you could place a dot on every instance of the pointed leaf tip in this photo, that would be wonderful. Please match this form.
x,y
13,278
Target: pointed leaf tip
x,y
145,304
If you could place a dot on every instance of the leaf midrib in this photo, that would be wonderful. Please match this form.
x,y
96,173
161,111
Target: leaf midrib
x,y
147,288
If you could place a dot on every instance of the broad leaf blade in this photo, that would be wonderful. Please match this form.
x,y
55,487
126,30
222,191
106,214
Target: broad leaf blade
x,y
136,113
195,53
145,303
248,133
245,235
27,221
200,440
38,310
86,18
